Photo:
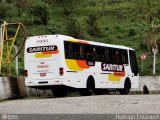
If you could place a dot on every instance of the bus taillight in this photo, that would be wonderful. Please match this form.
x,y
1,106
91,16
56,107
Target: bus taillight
x,y
26,73
61,72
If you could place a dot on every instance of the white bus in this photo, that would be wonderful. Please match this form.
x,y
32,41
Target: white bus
x,y
61,62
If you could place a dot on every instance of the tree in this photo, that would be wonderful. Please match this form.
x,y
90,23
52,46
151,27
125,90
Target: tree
x,y
39,11
149,26
3,10
92,27
92,3
21,5
50,1
73,27
67,6
6,12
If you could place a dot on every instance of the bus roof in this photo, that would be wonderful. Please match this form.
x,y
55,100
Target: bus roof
x,y
68,38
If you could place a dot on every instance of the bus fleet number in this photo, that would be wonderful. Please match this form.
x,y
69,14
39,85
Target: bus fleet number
x,y
42,41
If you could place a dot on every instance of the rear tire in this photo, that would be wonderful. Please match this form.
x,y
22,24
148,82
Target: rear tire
x,y
127,87
90,88
59,91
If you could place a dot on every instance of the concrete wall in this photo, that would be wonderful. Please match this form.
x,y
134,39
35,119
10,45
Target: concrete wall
x,y
15,87
5,89
152,83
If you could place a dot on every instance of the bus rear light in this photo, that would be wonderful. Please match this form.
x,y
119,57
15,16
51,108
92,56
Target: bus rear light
x,y
26,73
61,72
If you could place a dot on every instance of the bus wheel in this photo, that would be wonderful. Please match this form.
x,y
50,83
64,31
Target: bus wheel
x,y
59,91
90,88
127,87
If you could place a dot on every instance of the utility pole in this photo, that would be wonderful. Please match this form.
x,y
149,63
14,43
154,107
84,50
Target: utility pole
x,y
154,60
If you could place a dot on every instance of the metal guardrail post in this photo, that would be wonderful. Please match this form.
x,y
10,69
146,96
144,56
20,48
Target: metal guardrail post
x,y
16,64
4,40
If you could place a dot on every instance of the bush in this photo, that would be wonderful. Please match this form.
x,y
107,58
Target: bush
x,y
6,11
39,12
58,28
131,32
73,27
67,6
113,1
92,3
92,27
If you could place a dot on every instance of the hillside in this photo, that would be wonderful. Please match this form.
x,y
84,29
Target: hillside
x,y
108,21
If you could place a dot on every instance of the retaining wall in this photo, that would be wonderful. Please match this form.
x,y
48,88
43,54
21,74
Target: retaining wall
x,y
152,83
5,88
15,87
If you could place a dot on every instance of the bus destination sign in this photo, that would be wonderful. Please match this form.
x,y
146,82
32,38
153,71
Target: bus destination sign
x,y
42,49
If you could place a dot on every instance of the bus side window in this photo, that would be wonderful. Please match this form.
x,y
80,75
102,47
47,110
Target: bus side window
x,y
124,57
116,56
120,56
94,52
77,50
81,52
100,53
68,50
90,52
109,55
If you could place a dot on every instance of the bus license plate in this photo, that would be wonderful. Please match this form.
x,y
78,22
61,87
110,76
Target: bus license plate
x,y
42,74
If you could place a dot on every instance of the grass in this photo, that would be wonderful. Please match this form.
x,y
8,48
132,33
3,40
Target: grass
x,y
118,23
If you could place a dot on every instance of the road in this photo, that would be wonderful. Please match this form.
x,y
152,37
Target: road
x,y
105,104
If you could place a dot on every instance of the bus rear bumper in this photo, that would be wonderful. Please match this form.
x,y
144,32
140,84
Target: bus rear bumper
x,y
31,83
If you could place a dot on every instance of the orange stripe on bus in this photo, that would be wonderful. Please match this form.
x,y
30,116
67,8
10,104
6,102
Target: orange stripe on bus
x,y
82,64
83,42
121,74
51,52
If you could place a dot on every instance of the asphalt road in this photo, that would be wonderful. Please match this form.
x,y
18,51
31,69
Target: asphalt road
x,y
105,104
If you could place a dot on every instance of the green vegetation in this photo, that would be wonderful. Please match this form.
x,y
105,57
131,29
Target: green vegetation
x,y
108,21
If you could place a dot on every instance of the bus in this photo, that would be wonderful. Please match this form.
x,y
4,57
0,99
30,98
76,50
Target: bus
x,y
60,62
